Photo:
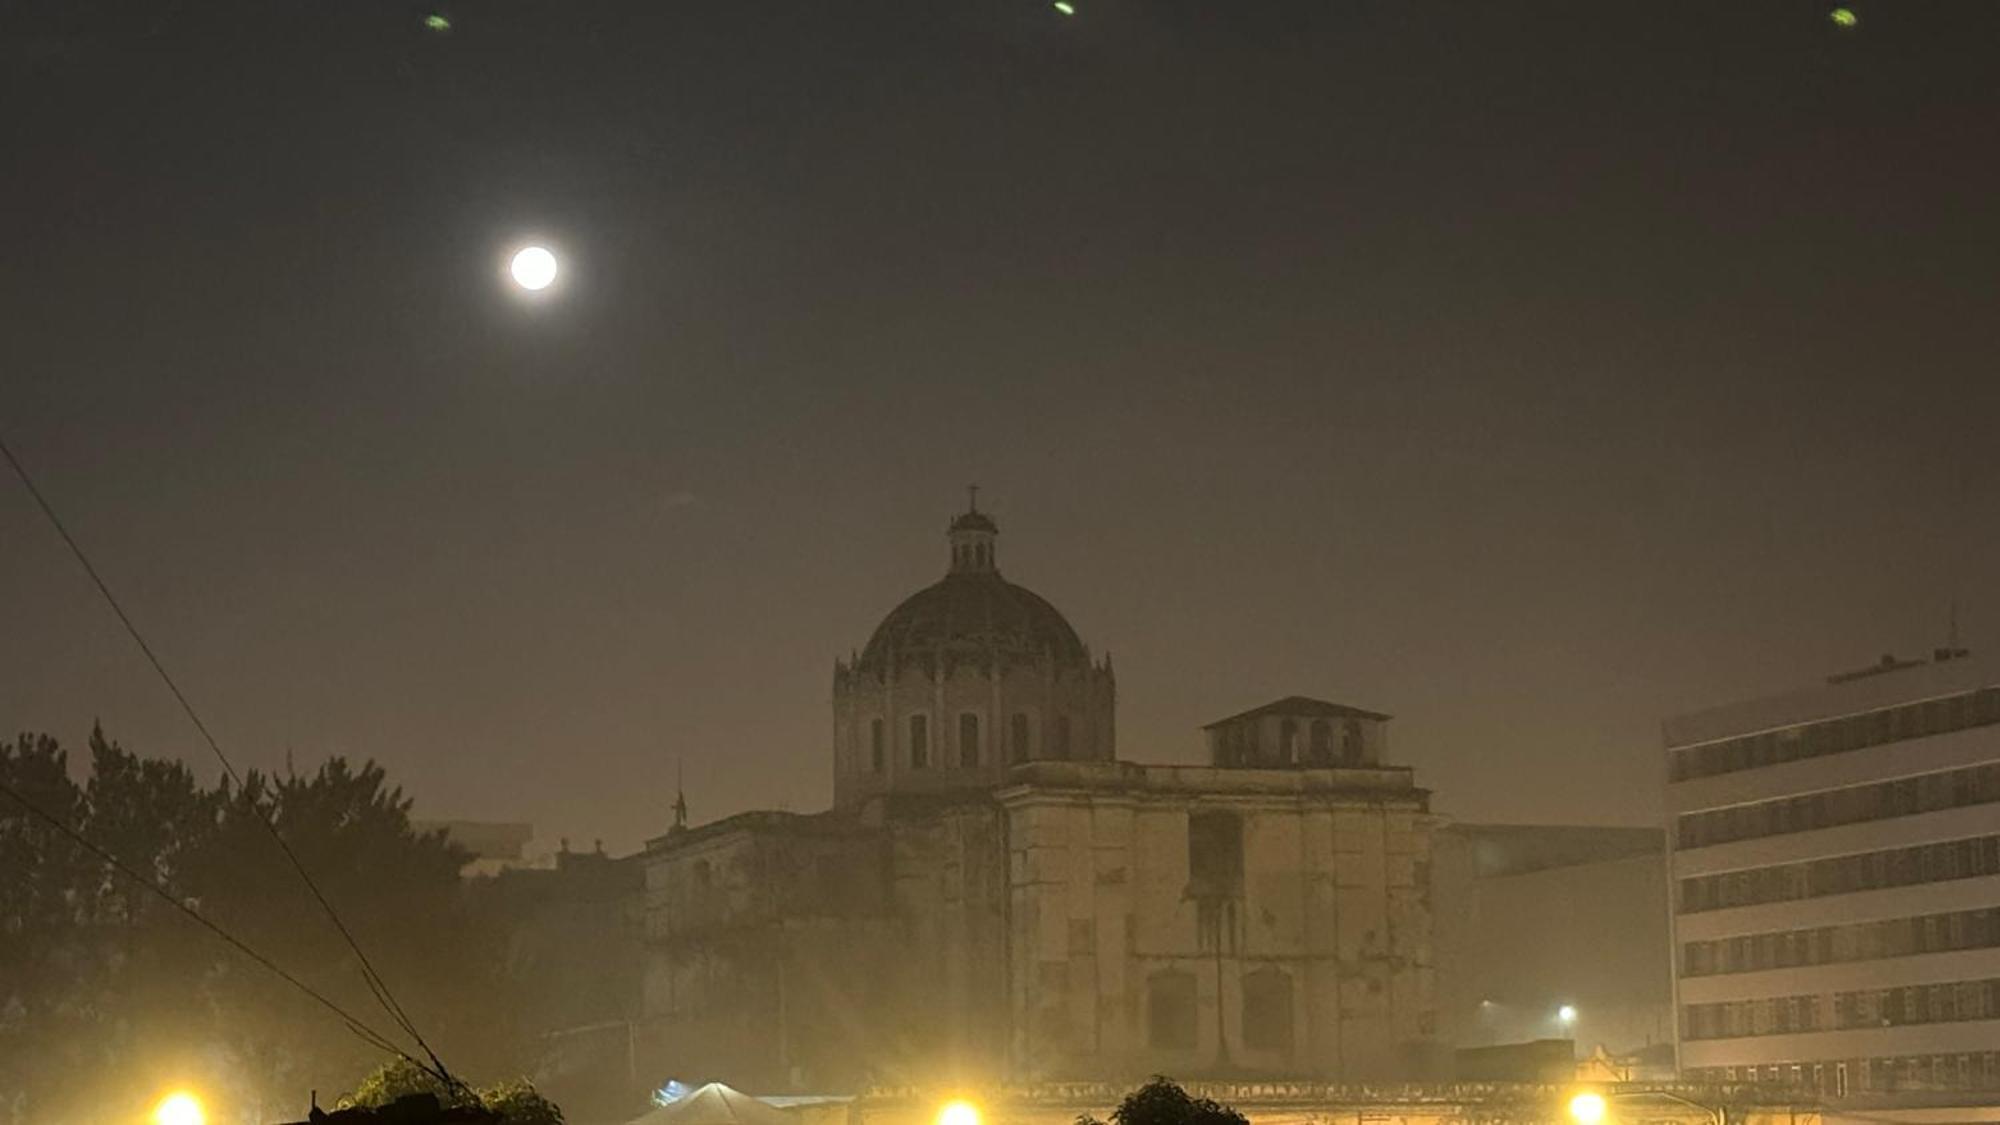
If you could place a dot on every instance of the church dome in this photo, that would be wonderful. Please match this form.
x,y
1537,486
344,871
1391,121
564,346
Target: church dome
x,y
970,614
968,678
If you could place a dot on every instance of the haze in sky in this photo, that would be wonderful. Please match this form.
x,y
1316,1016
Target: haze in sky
x,y
1527,371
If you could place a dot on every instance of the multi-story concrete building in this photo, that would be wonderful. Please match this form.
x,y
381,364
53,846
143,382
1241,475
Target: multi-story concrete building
x,y
995,896
1836,869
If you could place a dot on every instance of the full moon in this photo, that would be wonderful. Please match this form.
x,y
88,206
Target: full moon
x,y
533,268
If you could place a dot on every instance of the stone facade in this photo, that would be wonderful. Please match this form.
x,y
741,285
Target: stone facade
x,y
984,904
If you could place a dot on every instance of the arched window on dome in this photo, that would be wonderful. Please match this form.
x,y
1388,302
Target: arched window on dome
x,y
920,741
968,740
877,750
1321,744
1017,734
1061,748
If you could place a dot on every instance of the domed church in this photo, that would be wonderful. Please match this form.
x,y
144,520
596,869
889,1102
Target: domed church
x,y
968,678
995,896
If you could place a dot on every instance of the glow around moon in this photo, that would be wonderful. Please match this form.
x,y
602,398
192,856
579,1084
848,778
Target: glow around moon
x,y
534,268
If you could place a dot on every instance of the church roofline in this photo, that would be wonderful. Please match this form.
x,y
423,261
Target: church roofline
x,y
831,822
1372,783
1302,705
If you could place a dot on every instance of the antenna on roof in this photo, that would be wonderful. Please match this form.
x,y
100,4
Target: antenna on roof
x,y
1961,479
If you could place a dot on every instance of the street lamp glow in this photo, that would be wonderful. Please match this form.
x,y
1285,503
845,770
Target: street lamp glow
x,y
534,268
1587,1108
1566,1013
179,1108
958,1113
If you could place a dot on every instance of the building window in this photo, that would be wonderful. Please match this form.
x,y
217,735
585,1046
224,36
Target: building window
x,y
920,741
1267,1010
1932,792
1018,734
1837,736
1288,742
1215,853
1170,1010
1867,871
968,740
1061,748
877,752
1855,941
1321,746
1350,742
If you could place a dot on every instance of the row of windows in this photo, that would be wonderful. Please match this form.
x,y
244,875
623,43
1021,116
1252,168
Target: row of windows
x,y
1928,1003
1869,1007
968,746
1238,744
1895,867
1836,736
1839,1078
1733,1019
1172,1011
1951,789
1855,941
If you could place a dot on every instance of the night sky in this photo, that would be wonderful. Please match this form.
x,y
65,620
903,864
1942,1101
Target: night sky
x,y
1528,370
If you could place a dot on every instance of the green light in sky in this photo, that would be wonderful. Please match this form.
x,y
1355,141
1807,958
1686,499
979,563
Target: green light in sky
x,y
437,22
1065,7
1844,17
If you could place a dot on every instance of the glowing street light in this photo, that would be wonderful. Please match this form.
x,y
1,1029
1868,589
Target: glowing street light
x,y
1566,1015
179,1108
958,1112
1843,17
1587,1108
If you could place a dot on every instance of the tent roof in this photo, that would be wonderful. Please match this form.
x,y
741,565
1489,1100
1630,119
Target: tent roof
x,y
716,1104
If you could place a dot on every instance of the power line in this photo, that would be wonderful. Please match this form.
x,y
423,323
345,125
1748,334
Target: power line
x,y
376,985
353,1022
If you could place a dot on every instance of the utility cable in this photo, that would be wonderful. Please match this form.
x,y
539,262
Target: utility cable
x,y
353,1022
376,984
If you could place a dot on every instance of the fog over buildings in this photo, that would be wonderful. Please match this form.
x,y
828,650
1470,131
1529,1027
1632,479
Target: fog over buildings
x,y
529,437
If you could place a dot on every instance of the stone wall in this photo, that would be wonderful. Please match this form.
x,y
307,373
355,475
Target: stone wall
x,y
1306,952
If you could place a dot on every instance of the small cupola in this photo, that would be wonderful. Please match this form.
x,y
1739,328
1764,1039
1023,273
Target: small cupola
x,y
972,535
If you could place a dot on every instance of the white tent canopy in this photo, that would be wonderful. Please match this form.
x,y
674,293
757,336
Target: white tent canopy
x,y
716,1104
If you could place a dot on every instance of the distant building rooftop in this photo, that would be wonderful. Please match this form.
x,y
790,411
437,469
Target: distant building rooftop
x,y
1304,706
1516,849
1888,683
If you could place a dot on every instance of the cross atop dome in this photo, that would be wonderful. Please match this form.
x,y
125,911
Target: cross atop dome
x,y
972,535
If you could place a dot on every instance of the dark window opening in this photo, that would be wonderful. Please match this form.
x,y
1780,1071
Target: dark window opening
x,y
968,740
920,741
1350,742
1061,748
1018,730
1267,1010
1170,1010
876,750
1215,853
1288,741
1321,745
